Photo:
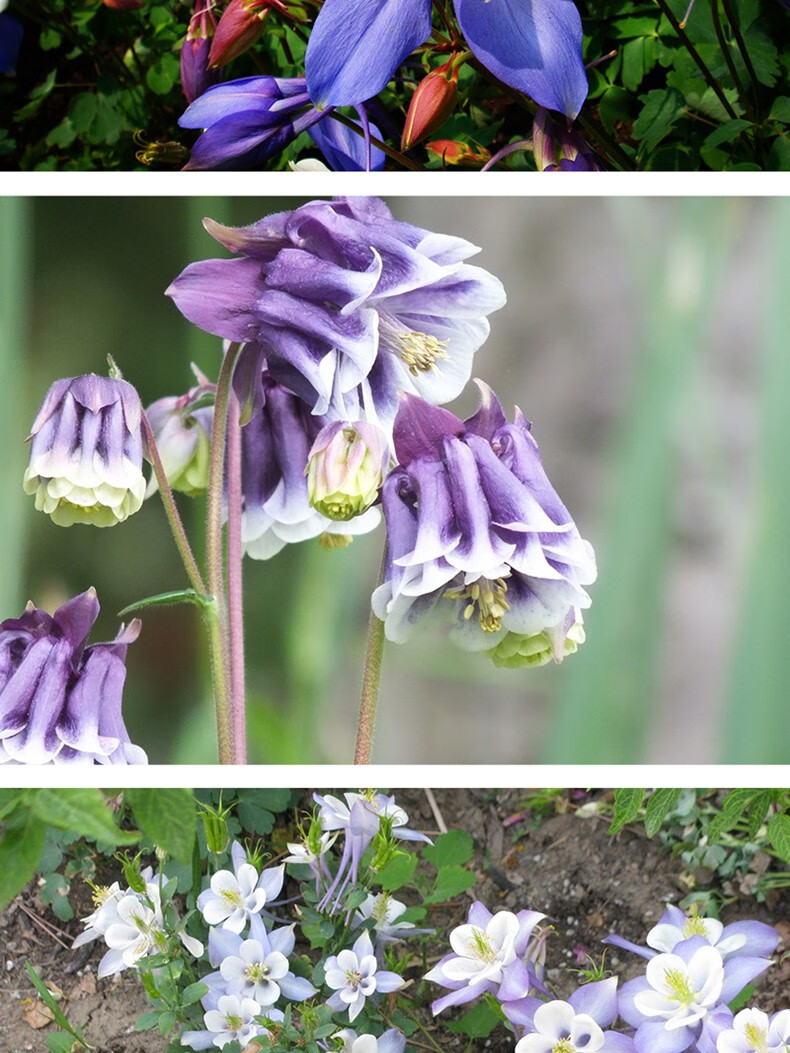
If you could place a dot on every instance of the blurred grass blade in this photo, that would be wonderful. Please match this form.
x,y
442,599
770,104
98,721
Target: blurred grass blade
x,y
759,685
15,269
608,690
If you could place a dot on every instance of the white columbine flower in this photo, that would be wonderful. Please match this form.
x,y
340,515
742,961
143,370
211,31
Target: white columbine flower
x,y
233,896
558,1027
754,1032
105,900
137,933
482,954
304,853
390,1042
665,936
354,975
233,1020
682,993
384,910
254,972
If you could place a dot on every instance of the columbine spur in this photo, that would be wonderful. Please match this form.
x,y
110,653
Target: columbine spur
x,y
86,452
477,534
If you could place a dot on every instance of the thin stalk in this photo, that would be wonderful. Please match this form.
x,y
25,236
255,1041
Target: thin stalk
x,y
235,577
725,50
747,61
711,81
171,511
371,678
217,614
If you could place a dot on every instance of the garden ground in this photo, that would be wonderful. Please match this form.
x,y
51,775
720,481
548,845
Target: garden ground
x,y
588,883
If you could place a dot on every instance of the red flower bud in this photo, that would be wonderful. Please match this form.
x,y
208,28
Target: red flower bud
x,y
431,104
452,152
123,5
241,24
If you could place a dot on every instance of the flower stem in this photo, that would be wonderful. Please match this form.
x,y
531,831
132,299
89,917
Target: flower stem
x,y
713,84
230,751
747,59
171,510
390,151
371,677
235,577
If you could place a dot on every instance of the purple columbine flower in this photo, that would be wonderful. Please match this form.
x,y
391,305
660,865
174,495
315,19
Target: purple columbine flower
x,y
741,938
248,121
196,76
579,1025
670,1005
233,897
354,975
477,534
275,446
60,701
356,46
347,305
257,967
490,954
86,453
751,1031
558,148
345,468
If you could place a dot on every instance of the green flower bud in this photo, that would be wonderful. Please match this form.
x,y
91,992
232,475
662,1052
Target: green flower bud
x,y
515,650
345,469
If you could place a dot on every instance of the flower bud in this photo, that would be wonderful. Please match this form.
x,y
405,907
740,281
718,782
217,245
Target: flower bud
x,y
345,469
515,651
131,871
558,149
215,826
240,25
454,152
431,104
124,5
195,73
183,440
86,453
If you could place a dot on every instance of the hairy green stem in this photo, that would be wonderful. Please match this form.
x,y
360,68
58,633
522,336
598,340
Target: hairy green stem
x,y
711,81
230,752
371,678
171,510
235,578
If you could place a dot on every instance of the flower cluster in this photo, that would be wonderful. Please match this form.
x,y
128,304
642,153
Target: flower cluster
x,y
696,966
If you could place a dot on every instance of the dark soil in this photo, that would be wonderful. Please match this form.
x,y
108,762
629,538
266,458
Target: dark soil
x,y
586,882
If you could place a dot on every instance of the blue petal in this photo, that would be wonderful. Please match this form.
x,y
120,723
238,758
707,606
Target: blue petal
x,y
344,149
356,46
532,45
11,33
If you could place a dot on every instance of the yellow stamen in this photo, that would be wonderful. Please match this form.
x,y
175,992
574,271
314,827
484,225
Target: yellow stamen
x,y
487,598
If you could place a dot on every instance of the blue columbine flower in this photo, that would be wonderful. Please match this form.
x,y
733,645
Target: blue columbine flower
x,y
579,1025
477,535
532,45
60,701
347,305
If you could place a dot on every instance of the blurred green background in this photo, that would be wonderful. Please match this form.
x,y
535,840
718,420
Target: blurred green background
x,y
647,341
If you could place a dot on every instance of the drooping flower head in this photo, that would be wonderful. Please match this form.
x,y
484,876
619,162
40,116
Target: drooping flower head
x,y
533,45
247,121
182,430
491,953
477,534
86,453
345,468
347,305
60,701
275,446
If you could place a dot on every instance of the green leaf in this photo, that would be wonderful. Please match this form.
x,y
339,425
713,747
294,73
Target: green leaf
x,y
627,803
84,811
735,804
477,1023
163,74
658,808
742,998
167,817
147,1020
256,807
780,109
60,1042
193,993
169,599
60,1017
661,109
397,873
758,812
779,835
20,851
450,882
82,111
456,846
726,133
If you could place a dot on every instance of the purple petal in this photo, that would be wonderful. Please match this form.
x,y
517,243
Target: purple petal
x,y
356,45
76,617
738,972
598,1000
532,45
653,1037
219,295
420,429
761,939
344,149
617,941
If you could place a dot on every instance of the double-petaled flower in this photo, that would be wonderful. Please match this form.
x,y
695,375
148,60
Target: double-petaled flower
x,y
535,46
346,305
86,452
60,701
477,534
